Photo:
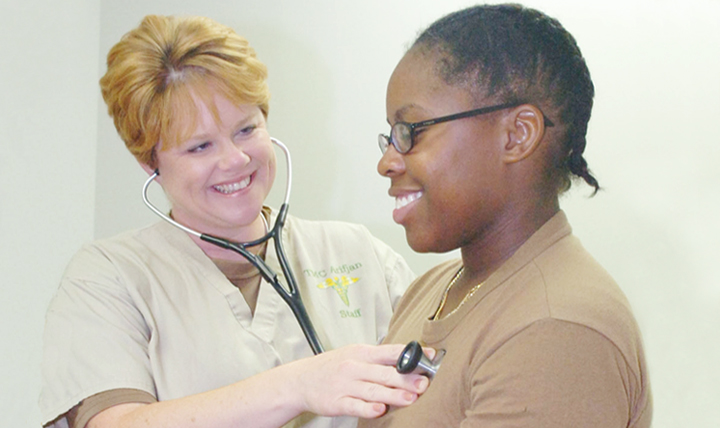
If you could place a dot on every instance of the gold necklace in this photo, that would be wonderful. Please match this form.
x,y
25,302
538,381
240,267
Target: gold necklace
x,y
468,295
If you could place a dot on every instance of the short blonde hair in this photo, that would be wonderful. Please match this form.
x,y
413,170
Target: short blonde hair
x,y
156,71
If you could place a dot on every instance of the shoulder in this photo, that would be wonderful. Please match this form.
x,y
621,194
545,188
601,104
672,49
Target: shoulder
x,y
131,266
580,309
553,275
137,247
579,290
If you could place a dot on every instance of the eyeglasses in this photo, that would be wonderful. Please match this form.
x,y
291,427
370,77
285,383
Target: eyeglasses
x,y
402,134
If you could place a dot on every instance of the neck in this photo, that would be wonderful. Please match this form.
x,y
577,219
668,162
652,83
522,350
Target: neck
x,y
491,248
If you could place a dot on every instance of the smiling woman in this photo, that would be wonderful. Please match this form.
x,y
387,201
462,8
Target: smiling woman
x,y
156,327
535,331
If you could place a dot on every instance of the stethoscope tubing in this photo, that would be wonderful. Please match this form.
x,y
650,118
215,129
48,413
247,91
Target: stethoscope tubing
x,y
290,294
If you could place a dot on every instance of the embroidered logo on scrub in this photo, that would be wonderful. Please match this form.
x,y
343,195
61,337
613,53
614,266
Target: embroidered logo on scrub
x,y
339,283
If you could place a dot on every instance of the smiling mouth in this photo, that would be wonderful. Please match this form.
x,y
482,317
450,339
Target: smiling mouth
x,y
232,187
404,200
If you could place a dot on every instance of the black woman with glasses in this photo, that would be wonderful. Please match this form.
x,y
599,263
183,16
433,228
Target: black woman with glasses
x,y
488,112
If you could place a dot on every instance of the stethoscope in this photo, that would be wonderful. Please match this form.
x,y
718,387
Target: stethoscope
x,y
411,360
289,294
414,360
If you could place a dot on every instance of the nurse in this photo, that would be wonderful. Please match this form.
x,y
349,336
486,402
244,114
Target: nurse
x,y
156,328
488,113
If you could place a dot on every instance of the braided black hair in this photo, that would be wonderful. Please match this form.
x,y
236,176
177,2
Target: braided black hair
x,y
520,55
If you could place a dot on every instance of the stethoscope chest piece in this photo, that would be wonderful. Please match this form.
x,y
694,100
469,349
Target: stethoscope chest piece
x,y
413,360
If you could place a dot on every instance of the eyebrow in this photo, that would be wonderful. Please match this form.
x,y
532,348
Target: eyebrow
x,y
236,127
242,123
402,111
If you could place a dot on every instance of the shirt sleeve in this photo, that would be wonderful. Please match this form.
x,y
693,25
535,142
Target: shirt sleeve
x,y
552,374
95,338
81,414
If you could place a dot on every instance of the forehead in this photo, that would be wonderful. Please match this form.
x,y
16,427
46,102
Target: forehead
x,y
416,88
197,109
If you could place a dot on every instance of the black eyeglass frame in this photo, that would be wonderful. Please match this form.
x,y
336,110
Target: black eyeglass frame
x,y
384,141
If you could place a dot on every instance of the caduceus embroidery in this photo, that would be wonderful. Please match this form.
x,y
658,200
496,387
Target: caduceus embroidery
x,y
340,284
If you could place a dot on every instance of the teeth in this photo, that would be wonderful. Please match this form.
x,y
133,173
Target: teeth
x,y
234,187
402,201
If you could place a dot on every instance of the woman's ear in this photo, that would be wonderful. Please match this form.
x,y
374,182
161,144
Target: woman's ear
x,y
526,131
150,171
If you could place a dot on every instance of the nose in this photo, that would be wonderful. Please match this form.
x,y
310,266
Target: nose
x,y
232,155
391,163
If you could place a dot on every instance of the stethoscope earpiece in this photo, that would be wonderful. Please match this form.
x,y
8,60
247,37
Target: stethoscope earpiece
x,y
413,360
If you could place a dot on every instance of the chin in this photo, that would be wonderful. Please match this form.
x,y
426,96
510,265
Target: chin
x,y
419,244
426,243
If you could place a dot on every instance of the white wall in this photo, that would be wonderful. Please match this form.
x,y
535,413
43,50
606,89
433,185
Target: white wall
x,y
48,135
652,144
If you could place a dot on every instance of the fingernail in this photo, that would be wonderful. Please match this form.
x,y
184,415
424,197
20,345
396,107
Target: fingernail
x,y
410,397
380,409
422,383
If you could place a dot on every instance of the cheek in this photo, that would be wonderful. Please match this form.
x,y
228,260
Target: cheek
x,y
180,179
272,164
270,161
449,174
